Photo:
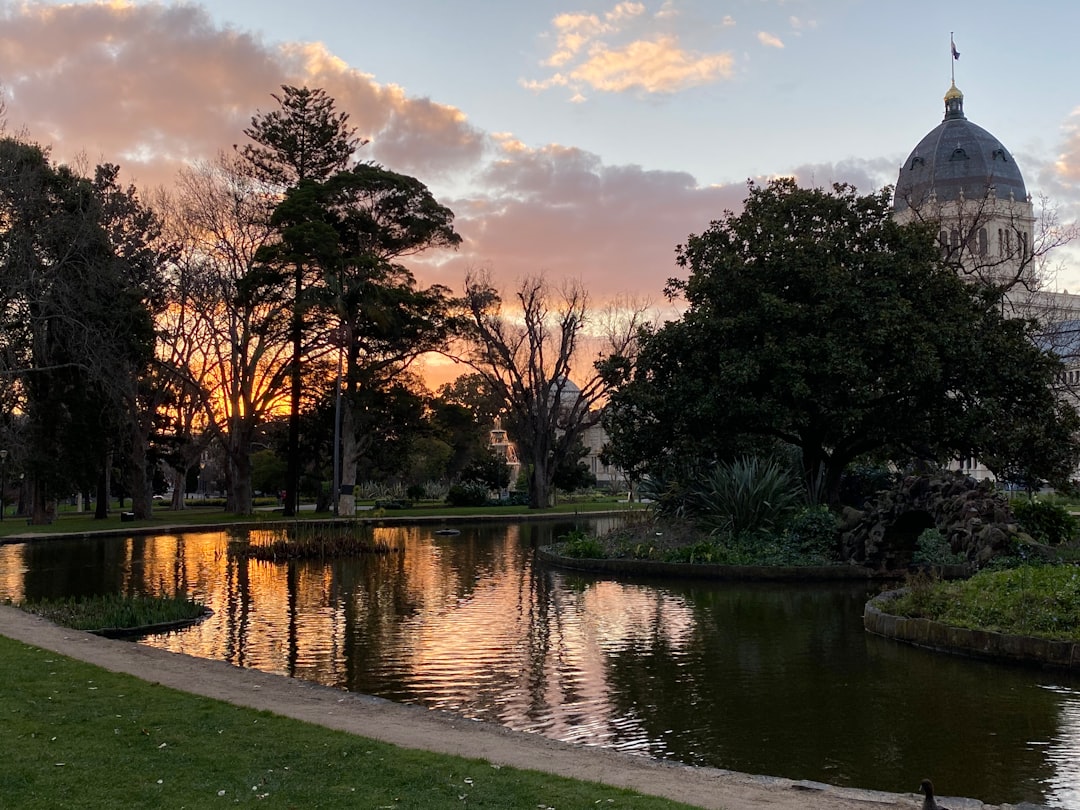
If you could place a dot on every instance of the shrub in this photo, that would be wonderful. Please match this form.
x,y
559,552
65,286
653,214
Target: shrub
x,y
745,495
416,492
812,533
579,545
1041,601
668,496
932,548
469,493
862,482
115,611
1046,522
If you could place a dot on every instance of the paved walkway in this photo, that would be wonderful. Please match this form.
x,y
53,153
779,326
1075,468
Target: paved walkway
x,y
415,727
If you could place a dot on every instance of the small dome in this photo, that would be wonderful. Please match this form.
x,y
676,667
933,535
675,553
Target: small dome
x,y
957,159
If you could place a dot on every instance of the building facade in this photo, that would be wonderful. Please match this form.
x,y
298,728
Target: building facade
x,y
965,180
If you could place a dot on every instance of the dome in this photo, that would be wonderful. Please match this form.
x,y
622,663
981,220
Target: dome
x,y
957,159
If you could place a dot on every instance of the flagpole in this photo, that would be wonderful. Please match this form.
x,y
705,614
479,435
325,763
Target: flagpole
x,y
952,56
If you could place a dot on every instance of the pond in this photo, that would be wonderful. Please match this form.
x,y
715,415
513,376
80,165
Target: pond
x,y
771,679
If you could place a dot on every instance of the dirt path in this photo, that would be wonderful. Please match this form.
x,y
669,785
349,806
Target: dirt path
x,y
415,727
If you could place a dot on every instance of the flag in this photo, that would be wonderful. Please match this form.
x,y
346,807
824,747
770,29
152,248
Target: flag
x,y
955,53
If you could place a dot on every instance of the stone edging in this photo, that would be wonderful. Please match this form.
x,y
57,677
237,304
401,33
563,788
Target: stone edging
x,y
133,633
975,643
765,573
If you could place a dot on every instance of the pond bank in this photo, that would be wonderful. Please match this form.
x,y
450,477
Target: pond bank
x,y
284,523
763,573
414,727
962,641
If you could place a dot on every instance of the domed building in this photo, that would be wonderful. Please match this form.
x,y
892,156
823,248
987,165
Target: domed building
x,y
967,180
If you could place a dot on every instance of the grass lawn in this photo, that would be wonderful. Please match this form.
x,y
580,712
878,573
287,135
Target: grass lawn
x,y
1029,601
74,735
194,517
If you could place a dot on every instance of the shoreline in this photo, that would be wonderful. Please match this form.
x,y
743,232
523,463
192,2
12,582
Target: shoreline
x,y
442,732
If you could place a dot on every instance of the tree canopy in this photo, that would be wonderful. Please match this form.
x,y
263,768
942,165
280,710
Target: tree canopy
x,y
815,320
78,288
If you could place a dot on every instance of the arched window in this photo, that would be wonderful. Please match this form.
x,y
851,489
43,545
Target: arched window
x,y
983,240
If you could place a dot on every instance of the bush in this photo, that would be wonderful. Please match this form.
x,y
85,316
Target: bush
x,y
862,482
416,492
469,493
932,548
812,533
746,495
579,545
1041,601
1046,522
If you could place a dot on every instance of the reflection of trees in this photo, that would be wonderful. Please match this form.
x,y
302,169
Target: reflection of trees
x,y
777,679
75,568
782,680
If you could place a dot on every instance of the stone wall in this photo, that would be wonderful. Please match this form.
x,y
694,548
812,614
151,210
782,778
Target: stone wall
x,y
971,515
976,643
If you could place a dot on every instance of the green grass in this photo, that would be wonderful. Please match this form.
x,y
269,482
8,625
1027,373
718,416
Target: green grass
x,y
1040,601
74,735
72,523
114,611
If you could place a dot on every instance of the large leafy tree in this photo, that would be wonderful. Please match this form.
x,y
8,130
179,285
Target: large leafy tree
x,y
305,140
78,282
355,227
227,333
814,319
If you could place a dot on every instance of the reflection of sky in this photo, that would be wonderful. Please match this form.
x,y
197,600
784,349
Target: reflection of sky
x,y
1063,752
777,679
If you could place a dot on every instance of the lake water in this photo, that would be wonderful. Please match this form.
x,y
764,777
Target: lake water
x,y
772,679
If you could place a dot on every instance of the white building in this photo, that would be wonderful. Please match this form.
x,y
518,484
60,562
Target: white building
x,y
965,179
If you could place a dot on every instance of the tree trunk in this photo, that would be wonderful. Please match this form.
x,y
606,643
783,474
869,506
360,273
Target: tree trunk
x,y
292,466
101,505
540,483
142,493
179,484
347,497
240,489
39,513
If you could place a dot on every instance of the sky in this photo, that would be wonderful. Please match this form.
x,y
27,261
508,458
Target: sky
x,y
578,139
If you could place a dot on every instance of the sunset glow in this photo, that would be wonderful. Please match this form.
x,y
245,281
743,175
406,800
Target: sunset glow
x,y
582,140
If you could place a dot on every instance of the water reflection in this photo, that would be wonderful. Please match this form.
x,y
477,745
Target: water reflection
x,y
765,679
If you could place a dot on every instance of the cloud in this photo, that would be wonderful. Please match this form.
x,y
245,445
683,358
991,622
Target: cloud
x,y
154,86
562,211
769,40
622,51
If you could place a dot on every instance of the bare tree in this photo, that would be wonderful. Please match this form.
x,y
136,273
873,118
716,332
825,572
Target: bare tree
x,y
1005,245
528,356
231,335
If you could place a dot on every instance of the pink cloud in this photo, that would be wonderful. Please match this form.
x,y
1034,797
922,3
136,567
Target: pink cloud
x,y
154,86
561,211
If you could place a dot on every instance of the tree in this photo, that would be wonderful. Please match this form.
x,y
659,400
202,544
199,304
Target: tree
x,y
306,139
816,320
572,473
528,358
227,333
354,227
78,277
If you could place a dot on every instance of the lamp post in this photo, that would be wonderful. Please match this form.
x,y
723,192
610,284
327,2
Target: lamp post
x,y
3,481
